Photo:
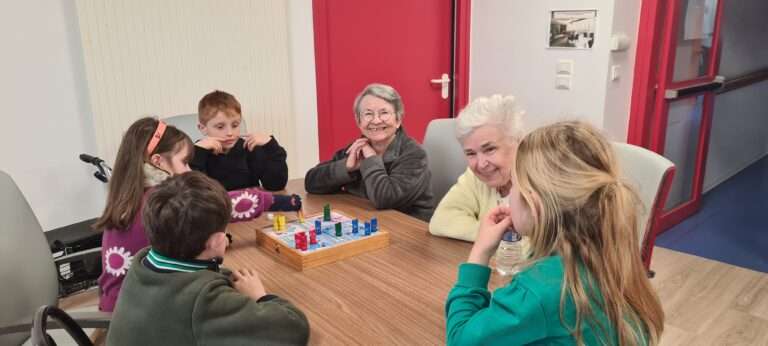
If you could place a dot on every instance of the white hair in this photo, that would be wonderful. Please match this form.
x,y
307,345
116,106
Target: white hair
x,y
497,110
384,92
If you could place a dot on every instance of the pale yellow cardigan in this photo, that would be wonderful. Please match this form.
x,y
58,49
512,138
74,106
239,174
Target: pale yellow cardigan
x,y
458,214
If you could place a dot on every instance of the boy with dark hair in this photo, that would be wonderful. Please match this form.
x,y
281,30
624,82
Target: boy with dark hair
x,y
236,160
175,292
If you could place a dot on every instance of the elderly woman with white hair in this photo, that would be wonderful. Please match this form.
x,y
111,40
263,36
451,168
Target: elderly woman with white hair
x,y
488,130
384,165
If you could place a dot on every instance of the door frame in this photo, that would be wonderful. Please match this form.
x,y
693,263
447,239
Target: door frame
x,y
656,46
459,62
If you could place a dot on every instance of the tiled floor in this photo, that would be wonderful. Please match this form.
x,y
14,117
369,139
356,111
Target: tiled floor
x,y
732,225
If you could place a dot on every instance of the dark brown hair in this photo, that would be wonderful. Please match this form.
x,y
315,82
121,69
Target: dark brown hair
x,y
126,186
215,102
183,211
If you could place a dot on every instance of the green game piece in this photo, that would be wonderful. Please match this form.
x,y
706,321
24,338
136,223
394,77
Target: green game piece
x,y
327,212
338,229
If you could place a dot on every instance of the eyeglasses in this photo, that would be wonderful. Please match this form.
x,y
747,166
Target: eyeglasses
x,y
383,115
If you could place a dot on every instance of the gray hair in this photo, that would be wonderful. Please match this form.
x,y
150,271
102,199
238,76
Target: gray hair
x,y
384,92
497,110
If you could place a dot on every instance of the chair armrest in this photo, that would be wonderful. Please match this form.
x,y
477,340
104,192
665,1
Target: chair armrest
x,y
76,256
92,319
16,327
85,319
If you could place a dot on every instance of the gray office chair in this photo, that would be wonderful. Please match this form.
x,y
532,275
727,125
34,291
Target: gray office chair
x,y
651,175
187,123
444,154
28,270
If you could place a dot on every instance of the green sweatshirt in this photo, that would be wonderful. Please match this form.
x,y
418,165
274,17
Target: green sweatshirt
x,y
185,303
526,311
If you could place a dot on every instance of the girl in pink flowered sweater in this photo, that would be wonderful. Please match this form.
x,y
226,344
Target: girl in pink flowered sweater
x,y
150,152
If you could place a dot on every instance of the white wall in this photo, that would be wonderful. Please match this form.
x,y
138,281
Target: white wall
x,y
740,119
303,85
147,57
48,110
509,55
46,118
618,95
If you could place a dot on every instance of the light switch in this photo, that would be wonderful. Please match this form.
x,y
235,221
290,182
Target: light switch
x,y
563,82
615,72
564,67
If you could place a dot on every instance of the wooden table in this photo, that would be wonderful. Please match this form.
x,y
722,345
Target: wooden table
x,y
394,295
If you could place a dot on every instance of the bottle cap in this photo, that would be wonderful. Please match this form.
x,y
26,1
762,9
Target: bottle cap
x,y
511,235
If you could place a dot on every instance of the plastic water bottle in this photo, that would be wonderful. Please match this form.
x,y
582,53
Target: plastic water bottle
x,y
509,253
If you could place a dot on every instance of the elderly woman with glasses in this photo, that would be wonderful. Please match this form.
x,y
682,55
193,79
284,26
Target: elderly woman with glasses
x,y
384,165
488,130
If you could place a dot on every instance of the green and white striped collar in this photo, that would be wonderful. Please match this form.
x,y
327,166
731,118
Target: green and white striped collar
x,y
160,263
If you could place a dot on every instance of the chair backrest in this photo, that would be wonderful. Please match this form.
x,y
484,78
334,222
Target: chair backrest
x,y
28,273
651,175
187,123
444,154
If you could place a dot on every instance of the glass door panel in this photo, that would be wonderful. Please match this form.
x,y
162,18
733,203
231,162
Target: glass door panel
x,y
695,31
680,146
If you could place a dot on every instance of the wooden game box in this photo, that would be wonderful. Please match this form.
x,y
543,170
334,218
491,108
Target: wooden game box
x,y
278,244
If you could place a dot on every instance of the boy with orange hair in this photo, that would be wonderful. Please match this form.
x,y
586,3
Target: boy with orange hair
x,y
236,161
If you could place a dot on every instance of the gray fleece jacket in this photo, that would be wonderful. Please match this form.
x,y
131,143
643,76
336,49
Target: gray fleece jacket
x,y
399,179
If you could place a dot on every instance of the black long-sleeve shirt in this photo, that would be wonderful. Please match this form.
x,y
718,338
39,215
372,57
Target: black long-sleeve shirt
x,y
239,168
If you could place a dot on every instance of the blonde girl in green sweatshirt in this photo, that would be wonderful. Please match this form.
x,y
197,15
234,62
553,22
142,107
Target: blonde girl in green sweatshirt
x,y
584,282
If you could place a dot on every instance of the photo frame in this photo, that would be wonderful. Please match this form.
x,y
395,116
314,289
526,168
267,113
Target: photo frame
x,y
572,29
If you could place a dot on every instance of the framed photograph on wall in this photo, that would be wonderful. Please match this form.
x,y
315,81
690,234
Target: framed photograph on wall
x,y
573,29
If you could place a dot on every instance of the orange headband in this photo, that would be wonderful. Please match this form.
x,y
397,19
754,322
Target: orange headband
x,y
156,137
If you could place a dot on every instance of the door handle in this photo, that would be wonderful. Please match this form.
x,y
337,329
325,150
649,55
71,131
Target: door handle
x,y
712,85
444,82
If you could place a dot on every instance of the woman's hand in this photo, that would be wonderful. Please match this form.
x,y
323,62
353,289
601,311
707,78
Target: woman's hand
x,y
492,228
355,154
254,140
367,150
211,143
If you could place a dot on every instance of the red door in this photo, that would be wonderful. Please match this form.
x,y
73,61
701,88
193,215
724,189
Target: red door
x,y
675,81
404,43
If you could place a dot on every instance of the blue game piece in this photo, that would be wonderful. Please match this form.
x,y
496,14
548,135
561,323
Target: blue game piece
x,y
374,225
354,226
367,228
318,231
318,224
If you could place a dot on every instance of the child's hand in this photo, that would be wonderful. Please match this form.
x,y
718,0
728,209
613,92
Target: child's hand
x,y
254,140
296,202
247,282
286,203
212,144
492,228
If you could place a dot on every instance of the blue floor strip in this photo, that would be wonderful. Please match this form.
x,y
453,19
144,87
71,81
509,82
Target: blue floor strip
x,y
732,225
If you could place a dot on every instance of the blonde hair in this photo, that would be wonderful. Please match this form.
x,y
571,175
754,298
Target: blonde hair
x,y
497,110
568,176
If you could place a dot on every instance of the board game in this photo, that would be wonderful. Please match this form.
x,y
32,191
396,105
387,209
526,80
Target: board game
x,y
299,244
